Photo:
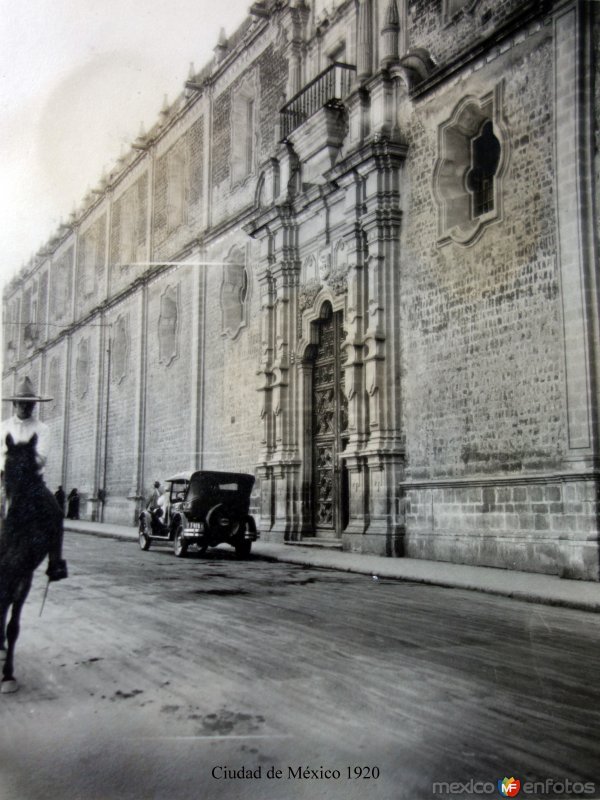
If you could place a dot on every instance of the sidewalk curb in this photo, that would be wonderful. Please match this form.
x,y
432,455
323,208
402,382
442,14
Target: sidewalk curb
x,y
300,557
513,594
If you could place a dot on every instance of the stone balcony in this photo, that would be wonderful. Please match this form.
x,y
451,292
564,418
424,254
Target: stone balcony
x,y
315,122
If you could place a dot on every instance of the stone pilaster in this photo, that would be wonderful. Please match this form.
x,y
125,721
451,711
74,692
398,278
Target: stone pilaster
x,y
285,456
390,35
265,367
384,452
573,123
293,21
364,54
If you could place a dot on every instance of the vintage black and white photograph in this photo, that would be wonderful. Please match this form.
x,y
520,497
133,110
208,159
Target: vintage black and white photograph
x,y
300,439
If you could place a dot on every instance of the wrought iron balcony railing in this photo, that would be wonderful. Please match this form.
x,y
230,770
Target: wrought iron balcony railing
x,y
332,86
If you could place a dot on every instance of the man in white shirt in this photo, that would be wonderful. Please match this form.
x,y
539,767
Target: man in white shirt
x,y
22,426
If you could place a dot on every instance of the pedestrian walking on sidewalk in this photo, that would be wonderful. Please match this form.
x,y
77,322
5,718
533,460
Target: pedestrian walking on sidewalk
x,y
60,497
73,504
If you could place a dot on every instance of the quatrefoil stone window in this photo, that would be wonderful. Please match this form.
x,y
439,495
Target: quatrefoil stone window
x,y
467,183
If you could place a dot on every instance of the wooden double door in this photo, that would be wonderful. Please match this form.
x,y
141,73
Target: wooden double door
x,y
329,426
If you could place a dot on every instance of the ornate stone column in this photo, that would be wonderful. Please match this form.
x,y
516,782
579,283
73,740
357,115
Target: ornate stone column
x,y
354,371
382,354
285,456
265,380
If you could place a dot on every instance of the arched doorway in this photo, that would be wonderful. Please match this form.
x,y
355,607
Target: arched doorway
x,y
329,426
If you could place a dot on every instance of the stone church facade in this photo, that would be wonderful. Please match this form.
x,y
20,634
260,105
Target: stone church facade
x,y
357,258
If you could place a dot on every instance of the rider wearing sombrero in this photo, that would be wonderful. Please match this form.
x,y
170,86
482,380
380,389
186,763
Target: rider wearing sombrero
x,y
22,426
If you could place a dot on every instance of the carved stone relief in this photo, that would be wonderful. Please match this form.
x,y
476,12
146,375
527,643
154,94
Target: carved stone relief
x,y
234,290
54,387
168,324
120,349
82,368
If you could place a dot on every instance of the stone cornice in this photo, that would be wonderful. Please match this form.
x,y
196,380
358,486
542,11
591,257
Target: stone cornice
x,y
500,480
375,148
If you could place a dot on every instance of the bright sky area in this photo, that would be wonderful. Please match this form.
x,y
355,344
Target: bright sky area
x,y
76,79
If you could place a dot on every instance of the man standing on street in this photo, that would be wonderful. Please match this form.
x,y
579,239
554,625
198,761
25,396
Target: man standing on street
x,y
60,497
22,426
154,497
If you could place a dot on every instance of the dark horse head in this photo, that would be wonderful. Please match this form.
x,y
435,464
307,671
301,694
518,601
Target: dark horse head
x,y
21,470
32,529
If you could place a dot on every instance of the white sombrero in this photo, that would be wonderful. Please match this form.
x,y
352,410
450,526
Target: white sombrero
x,y
26,393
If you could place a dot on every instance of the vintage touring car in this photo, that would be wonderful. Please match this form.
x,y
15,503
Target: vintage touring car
x,y
203,508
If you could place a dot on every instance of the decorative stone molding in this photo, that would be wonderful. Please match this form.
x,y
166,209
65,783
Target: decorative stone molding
x,y
306,297
54,387
120,348
60,284
244,130
82,368
338,281
234,293
455,175
168,326
416,66
324,266
312,313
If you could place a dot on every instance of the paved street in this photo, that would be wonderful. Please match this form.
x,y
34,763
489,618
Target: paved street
x,y
154,677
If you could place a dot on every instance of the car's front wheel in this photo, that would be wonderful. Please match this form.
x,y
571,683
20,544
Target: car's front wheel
x,y
180,545
143,537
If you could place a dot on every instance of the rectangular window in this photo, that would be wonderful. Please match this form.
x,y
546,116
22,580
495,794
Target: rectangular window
x,y
483,198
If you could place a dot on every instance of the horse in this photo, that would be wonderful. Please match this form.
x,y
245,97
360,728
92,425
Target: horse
x,y
32,530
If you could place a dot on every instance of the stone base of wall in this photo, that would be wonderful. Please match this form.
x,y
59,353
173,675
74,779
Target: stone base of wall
x,y
390,544
119,511
273,536
534,526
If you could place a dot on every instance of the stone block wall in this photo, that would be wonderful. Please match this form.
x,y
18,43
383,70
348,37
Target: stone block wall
x,y
82,408
129,221
270,71
168,444
232,424
90,273
118,466
52,413
514,524
484,388
445,36
171,231
62,286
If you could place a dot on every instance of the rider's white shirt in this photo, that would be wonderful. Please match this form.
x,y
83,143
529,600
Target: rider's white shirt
x,y
22,430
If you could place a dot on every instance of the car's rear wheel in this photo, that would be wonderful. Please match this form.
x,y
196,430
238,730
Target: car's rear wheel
x,y
180,545
243,547
143,537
